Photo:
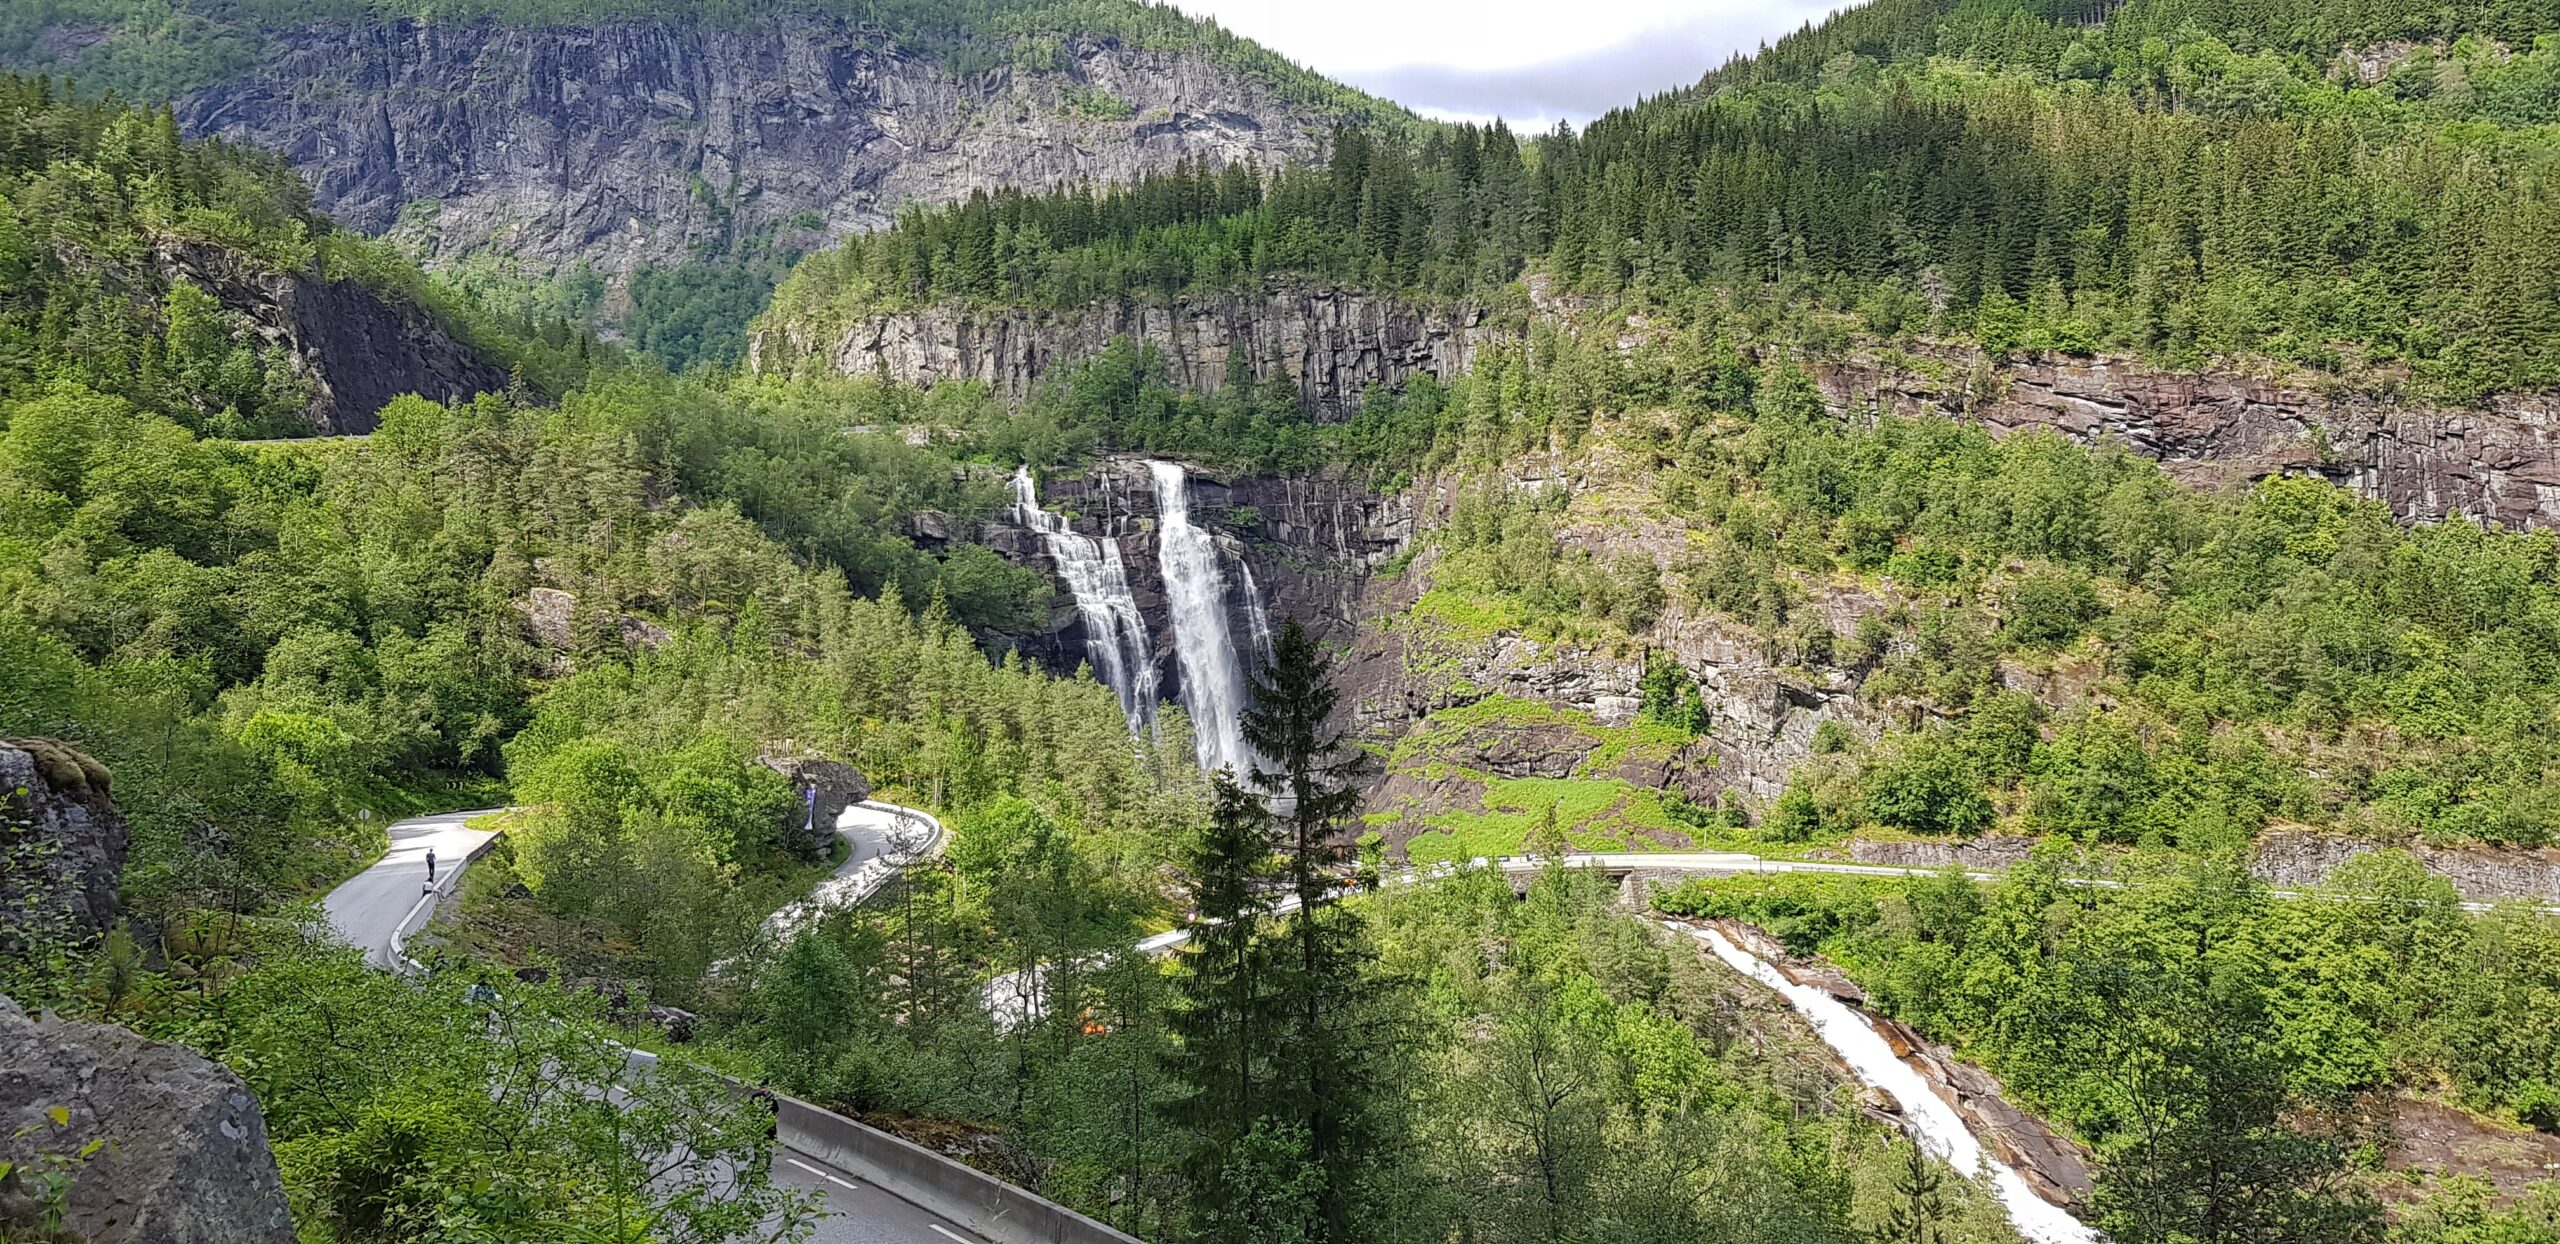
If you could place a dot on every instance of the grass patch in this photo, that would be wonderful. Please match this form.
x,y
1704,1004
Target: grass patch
x,y
1597,814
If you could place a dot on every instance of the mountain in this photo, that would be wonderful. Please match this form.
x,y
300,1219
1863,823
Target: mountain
x,y
616,142
195,281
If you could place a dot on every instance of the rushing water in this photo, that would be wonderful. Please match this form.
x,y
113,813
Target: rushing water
x,y
1115,634
1196,594
1934,1124
1255,616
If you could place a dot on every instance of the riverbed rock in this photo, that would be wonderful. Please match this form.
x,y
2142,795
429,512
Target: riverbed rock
x,y
181,1154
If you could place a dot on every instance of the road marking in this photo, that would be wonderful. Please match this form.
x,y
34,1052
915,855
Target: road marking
x,y
828,1177
949,1234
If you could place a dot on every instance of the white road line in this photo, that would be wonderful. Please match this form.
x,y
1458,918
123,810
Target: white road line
x,y
949,1234
828,1177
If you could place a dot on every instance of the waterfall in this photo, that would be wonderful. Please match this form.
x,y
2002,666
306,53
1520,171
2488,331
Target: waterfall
x,y
1934,1124
1196,591
1115,636
1254,615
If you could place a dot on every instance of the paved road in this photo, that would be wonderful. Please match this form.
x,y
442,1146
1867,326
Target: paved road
x,y
388,899
859,1211
884,838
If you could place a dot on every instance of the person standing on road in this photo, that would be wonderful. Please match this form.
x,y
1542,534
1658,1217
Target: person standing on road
x,y
431,866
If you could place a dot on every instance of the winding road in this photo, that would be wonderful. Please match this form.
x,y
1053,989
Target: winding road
x,y
379,908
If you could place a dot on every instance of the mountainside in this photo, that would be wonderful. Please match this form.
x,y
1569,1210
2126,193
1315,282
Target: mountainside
x,y
194,280
630,143
625,135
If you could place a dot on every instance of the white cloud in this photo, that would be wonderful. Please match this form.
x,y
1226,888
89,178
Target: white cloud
x,y
1531,63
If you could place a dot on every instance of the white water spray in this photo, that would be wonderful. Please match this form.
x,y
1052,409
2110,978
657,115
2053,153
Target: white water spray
x,y
1254,615
1115,635
1196,593
1935,1126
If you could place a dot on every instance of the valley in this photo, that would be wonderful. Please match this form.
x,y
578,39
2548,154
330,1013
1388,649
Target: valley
x,y
1950,634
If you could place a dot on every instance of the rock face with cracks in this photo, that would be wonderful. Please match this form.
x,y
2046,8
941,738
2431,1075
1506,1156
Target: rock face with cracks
x,y
616,144
62,843
162,1146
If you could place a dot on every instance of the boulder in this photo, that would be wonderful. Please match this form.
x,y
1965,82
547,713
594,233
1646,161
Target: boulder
x,y
62,843
180,1151
826,788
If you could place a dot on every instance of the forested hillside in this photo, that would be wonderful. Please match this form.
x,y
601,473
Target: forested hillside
x,y
2182,182
666,162
1650,574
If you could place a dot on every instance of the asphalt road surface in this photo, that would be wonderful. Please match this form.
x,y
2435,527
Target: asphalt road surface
x,y
862,1212
370,908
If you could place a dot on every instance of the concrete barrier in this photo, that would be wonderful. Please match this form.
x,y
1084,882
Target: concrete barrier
x,y
992,1208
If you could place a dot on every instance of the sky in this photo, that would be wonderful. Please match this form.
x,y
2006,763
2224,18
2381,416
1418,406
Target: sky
x,y
1531,62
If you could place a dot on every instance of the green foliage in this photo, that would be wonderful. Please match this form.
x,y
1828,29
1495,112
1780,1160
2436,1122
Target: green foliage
x,y
407,1109
1580,1083
2165,178
1669,696
2210,1041
128,258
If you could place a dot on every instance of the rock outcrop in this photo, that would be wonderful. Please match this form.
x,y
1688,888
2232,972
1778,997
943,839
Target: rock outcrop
x,y
1308,541
358,347
181,1151
619,143
2499,462
1331,343
825,788
62,843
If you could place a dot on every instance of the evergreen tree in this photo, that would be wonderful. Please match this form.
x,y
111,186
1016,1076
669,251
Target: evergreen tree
x,y
1226,1016
1919,1202
1315,769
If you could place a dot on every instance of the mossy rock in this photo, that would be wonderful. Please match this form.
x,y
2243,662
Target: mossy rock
x,y
67,769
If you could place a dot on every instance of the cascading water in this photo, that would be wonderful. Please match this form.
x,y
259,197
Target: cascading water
x,y
1934,1124
1254,616
1196,591
1115,634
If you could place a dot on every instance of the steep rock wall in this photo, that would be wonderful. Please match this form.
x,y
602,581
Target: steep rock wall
x,y
1332,343
1311,542
359,347
2498,463
619,143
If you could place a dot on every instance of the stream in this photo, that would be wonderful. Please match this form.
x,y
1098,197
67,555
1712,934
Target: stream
x,y
1933,1124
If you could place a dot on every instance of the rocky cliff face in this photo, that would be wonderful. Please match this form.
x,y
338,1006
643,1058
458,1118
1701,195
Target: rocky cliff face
x,y
2497,463
358,347
1309,542
1331,343
62,843
625,142
181,1154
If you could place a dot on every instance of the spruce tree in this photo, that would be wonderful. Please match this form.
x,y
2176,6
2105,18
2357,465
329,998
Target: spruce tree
x,y
1227,1015
1315,768
1919,1203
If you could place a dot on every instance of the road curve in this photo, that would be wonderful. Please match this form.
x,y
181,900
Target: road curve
x,y
388,901
380,907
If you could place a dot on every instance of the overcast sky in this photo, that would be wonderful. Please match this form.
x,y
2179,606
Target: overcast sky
x,y
1531,62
